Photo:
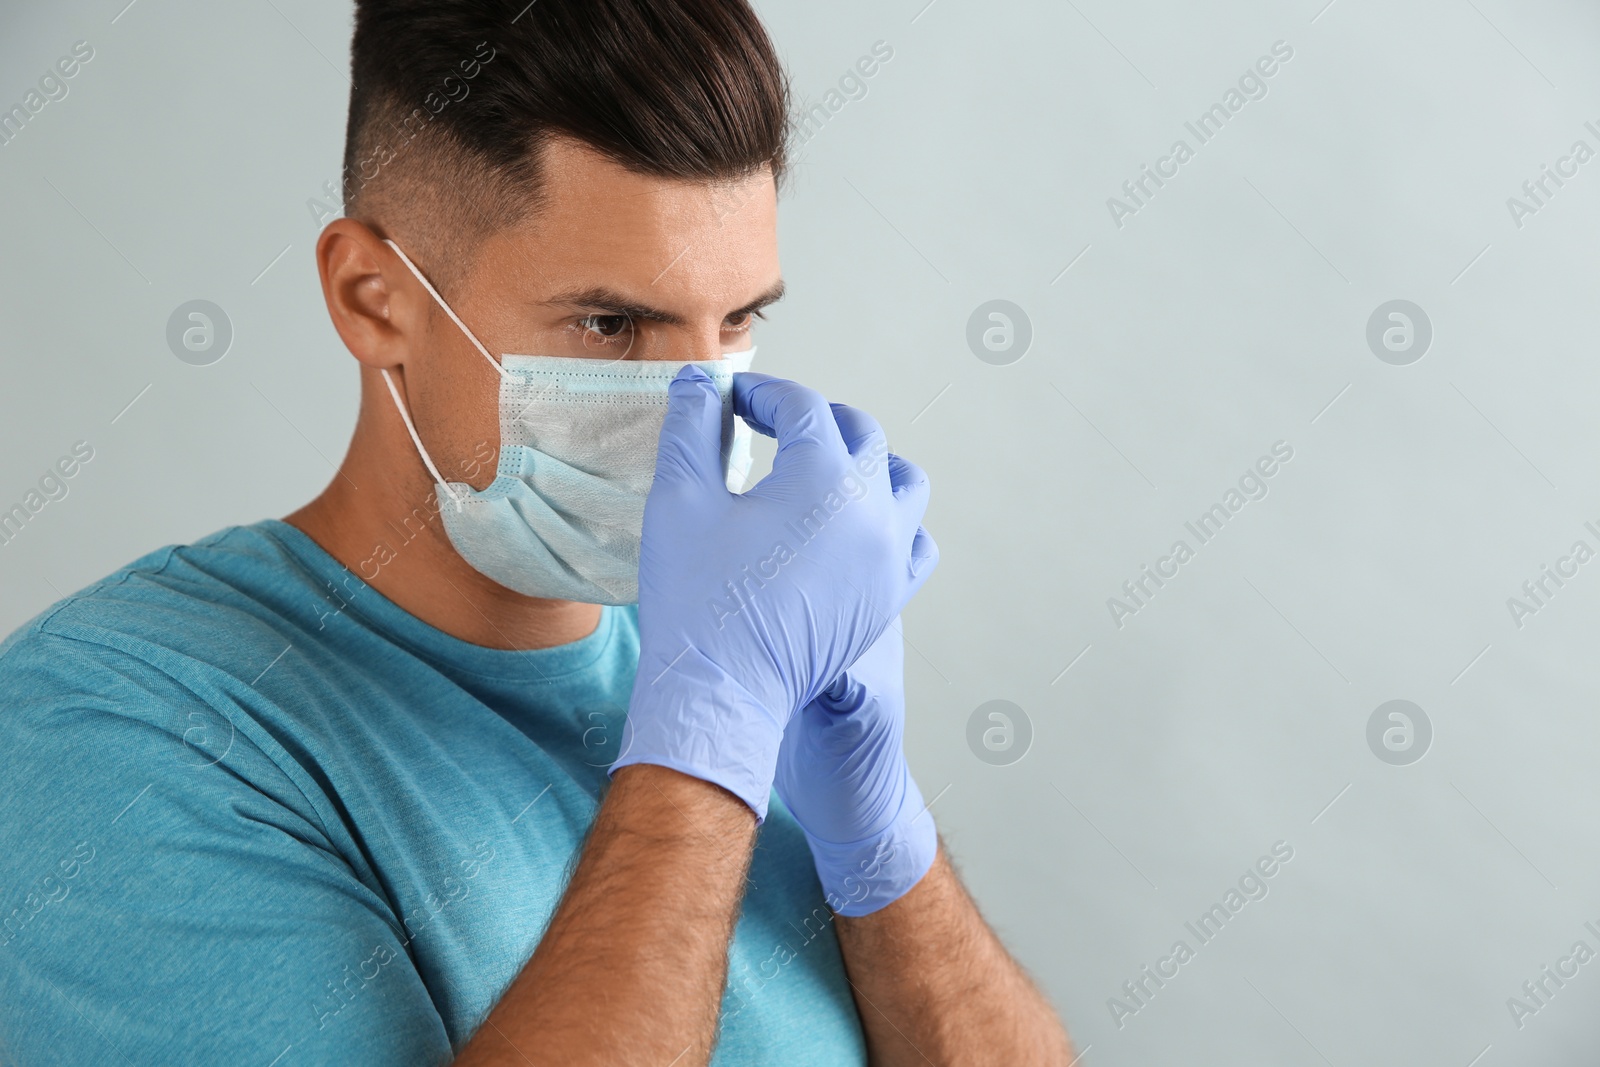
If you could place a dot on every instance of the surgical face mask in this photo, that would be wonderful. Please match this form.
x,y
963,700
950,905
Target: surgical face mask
x,y
578,438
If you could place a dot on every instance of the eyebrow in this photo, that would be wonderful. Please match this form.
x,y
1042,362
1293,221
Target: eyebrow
x,y
612,302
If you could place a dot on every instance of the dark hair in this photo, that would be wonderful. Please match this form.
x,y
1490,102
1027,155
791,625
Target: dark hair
x,y
460,95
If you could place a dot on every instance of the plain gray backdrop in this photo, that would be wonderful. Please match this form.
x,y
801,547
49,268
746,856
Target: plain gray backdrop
x,y
1172,346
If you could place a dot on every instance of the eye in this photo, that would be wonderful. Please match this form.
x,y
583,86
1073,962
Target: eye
x,y
601,330
741,321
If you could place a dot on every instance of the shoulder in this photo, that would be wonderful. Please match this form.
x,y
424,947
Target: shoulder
x,y
163,651
222,601
142,681
232,575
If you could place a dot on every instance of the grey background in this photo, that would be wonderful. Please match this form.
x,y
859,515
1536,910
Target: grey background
x,y
1223,317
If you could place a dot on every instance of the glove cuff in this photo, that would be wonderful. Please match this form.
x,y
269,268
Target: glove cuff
x,y
695,719
863,876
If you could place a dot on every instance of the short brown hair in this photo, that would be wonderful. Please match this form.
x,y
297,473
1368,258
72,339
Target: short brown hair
x,y
453,99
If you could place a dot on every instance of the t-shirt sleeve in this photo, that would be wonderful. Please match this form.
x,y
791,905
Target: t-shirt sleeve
x,y
171,894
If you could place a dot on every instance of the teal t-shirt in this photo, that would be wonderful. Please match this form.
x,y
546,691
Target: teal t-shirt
x,y
256,813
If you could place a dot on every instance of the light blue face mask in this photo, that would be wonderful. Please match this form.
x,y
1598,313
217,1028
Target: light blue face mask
x,y
578,438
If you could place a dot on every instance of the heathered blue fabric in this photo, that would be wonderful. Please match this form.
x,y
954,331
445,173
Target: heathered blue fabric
x,y
256,813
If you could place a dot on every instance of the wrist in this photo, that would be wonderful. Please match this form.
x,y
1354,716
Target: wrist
x,y
860,877
657,805
694,719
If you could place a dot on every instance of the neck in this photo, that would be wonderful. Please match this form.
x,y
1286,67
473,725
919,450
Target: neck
x,y
380,518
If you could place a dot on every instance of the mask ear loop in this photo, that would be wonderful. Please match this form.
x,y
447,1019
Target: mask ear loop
x,y
411,428
400,404
447,309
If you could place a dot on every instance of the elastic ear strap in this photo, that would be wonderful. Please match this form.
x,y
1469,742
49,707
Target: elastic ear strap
x,y
447,309
411,428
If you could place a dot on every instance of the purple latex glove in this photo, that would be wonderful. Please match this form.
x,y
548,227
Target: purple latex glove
x,y
842,773
750,605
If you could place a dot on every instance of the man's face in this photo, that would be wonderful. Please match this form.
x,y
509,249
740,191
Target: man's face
x,y
612,265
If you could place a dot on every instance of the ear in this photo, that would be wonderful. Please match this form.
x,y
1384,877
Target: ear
x,y
371,296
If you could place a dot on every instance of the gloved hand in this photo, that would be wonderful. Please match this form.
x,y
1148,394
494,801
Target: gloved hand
x,y
842,774
751,604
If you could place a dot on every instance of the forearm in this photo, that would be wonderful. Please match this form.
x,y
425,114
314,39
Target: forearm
x,y
933,984
632,966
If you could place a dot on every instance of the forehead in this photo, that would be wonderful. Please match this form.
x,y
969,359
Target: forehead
x,y
601,224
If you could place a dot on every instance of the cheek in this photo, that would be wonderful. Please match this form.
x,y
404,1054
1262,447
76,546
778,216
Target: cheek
x,y
455,399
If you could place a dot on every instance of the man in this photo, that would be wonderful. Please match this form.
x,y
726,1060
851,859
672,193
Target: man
x,y
405,779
